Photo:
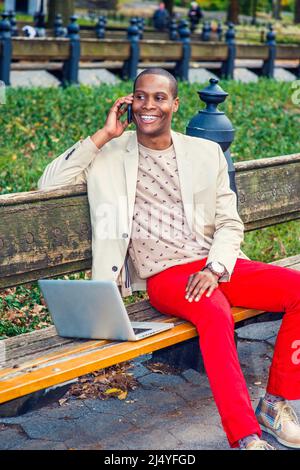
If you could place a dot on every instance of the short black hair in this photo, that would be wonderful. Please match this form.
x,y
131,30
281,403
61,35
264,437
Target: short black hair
x,y
163,73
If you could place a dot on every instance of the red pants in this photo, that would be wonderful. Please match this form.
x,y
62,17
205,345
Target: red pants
x,y
253,284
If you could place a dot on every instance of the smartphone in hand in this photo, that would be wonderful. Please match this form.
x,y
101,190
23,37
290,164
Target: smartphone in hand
x,y
129,113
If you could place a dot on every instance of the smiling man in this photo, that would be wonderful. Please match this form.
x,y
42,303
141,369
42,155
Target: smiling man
x,y
164,219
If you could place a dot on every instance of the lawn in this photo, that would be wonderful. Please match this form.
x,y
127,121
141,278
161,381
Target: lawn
x,y
38,124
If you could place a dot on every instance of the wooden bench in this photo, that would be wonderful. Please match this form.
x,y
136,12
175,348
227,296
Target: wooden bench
x,y
47,233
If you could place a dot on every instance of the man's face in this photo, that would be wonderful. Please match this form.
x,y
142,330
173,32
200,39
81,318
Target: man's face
x,y
153,105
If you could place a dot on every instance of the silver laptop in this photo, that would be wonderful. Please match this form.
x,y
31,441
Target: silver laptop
x,y
93,309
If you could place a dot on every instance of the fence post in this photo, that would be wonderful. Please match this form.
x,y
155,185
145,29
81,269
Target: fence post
x,y
173,34
212,124
140,25
205,35
181,24
100,28
5,40
39,24
220,31
71,66
13,23
269,65
181,70
129,70
227,70
59,30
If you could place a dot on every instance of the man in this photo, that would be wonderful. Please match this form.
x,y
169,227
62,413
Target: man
x,y
171,193
195,14
161,18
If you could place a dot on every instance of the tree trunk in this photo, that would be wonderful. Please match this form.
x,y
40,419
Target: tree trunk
x,y
65,8
233,12
297,11
169,6
253,11
277,9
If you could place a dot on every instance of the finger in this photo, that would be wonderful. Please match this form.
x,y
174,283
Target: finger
x,y
211,289
192,285
127,99
194,289
203,289
189,283
119,102
199,289
195,281
122,111
125,124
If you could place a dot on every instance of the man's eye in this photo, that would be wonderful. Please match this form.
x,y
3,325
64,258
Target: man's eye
x,y
139,97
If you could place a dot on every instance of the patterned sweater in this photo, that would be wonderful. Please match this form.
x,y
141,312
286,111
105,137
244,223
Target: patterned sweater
x,y
160,236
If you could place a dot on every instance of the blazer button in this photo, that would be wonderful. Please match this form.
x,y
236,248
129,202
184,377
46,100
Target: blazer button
x,y
115,268
124,235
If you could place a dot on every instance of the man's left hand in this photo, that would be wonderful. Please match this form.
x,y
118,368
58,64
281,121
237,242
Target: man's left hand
x,y
199,282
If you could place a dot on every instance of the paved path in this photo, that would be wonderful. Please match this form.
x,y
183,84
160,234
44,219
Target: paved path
x,y
164,412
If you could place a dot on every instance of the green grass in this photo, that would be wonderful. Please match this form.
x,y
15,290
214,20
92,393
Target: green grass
x,y
38,124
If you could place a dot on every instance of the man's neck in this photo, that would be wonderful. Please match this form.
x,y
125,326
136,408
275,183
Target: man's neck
x,y
155,143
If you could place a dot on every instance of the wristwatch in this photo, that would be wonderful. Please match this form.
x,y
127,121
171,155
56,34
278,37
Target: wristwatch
x,y
216,268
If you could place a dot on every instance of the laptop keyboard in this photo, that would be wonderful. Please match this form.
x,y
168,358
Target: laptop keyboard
x,y
140,330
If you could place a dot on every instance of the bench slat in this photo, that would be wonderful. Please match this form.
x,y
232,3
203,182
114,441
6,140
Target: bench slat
x,y
105,357
45,48
35,343
252,51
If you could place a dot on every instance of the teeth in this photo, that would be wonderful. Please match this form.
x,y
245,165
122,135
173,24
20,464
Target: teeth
x,y
148,117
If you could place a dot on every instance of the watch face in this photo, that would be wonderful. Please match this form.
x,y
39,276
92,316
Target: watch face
x,y
219,268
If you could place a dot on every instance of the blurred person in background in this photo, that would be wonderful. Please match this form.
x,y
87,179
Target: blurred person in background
x,y
161,18
195,15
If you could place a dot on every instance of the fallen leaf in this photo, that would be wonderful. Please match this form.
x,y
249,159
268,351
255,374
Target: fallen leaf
x,y
100,378
109,391
122,396
62,401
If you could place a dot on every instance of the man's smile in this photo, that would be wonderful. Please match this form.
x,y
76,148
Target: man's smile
x,y
148,118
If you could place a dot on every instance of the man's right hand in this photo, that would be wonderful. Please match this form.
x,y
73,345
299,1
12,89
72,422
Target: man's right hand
x,y
113,126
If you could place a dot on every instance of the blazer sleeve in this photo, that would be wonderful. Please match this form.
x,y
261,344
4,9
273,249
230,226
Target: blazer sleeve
x,y
229,228
71,167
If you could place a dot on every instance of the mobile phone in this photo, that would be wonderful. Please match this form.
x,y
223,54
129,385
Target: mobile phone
x,y
129,113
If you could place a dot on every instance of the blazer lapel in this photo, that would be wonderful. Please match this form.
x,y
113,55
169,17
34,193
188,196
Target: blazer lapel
x,y
185,174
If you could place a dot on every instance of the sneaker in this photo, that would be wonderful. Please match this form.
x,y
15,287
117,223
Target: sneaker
x,y
280,420
259,444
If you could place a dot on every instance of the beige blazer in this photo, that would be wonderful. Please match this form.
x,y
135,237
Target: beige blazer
x,y
111,176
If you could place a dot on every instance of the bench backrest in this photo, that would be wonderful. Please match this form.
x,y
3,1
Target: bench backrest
x,y
43,49
38,49
48,233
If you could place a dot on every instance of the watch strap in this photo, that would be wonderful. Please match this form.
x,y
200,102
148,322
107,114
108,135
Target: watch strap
x,y
208,266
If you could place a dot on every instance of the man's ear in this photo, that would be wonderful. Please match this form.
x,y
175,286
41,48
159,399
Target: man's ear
x,y
176,105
